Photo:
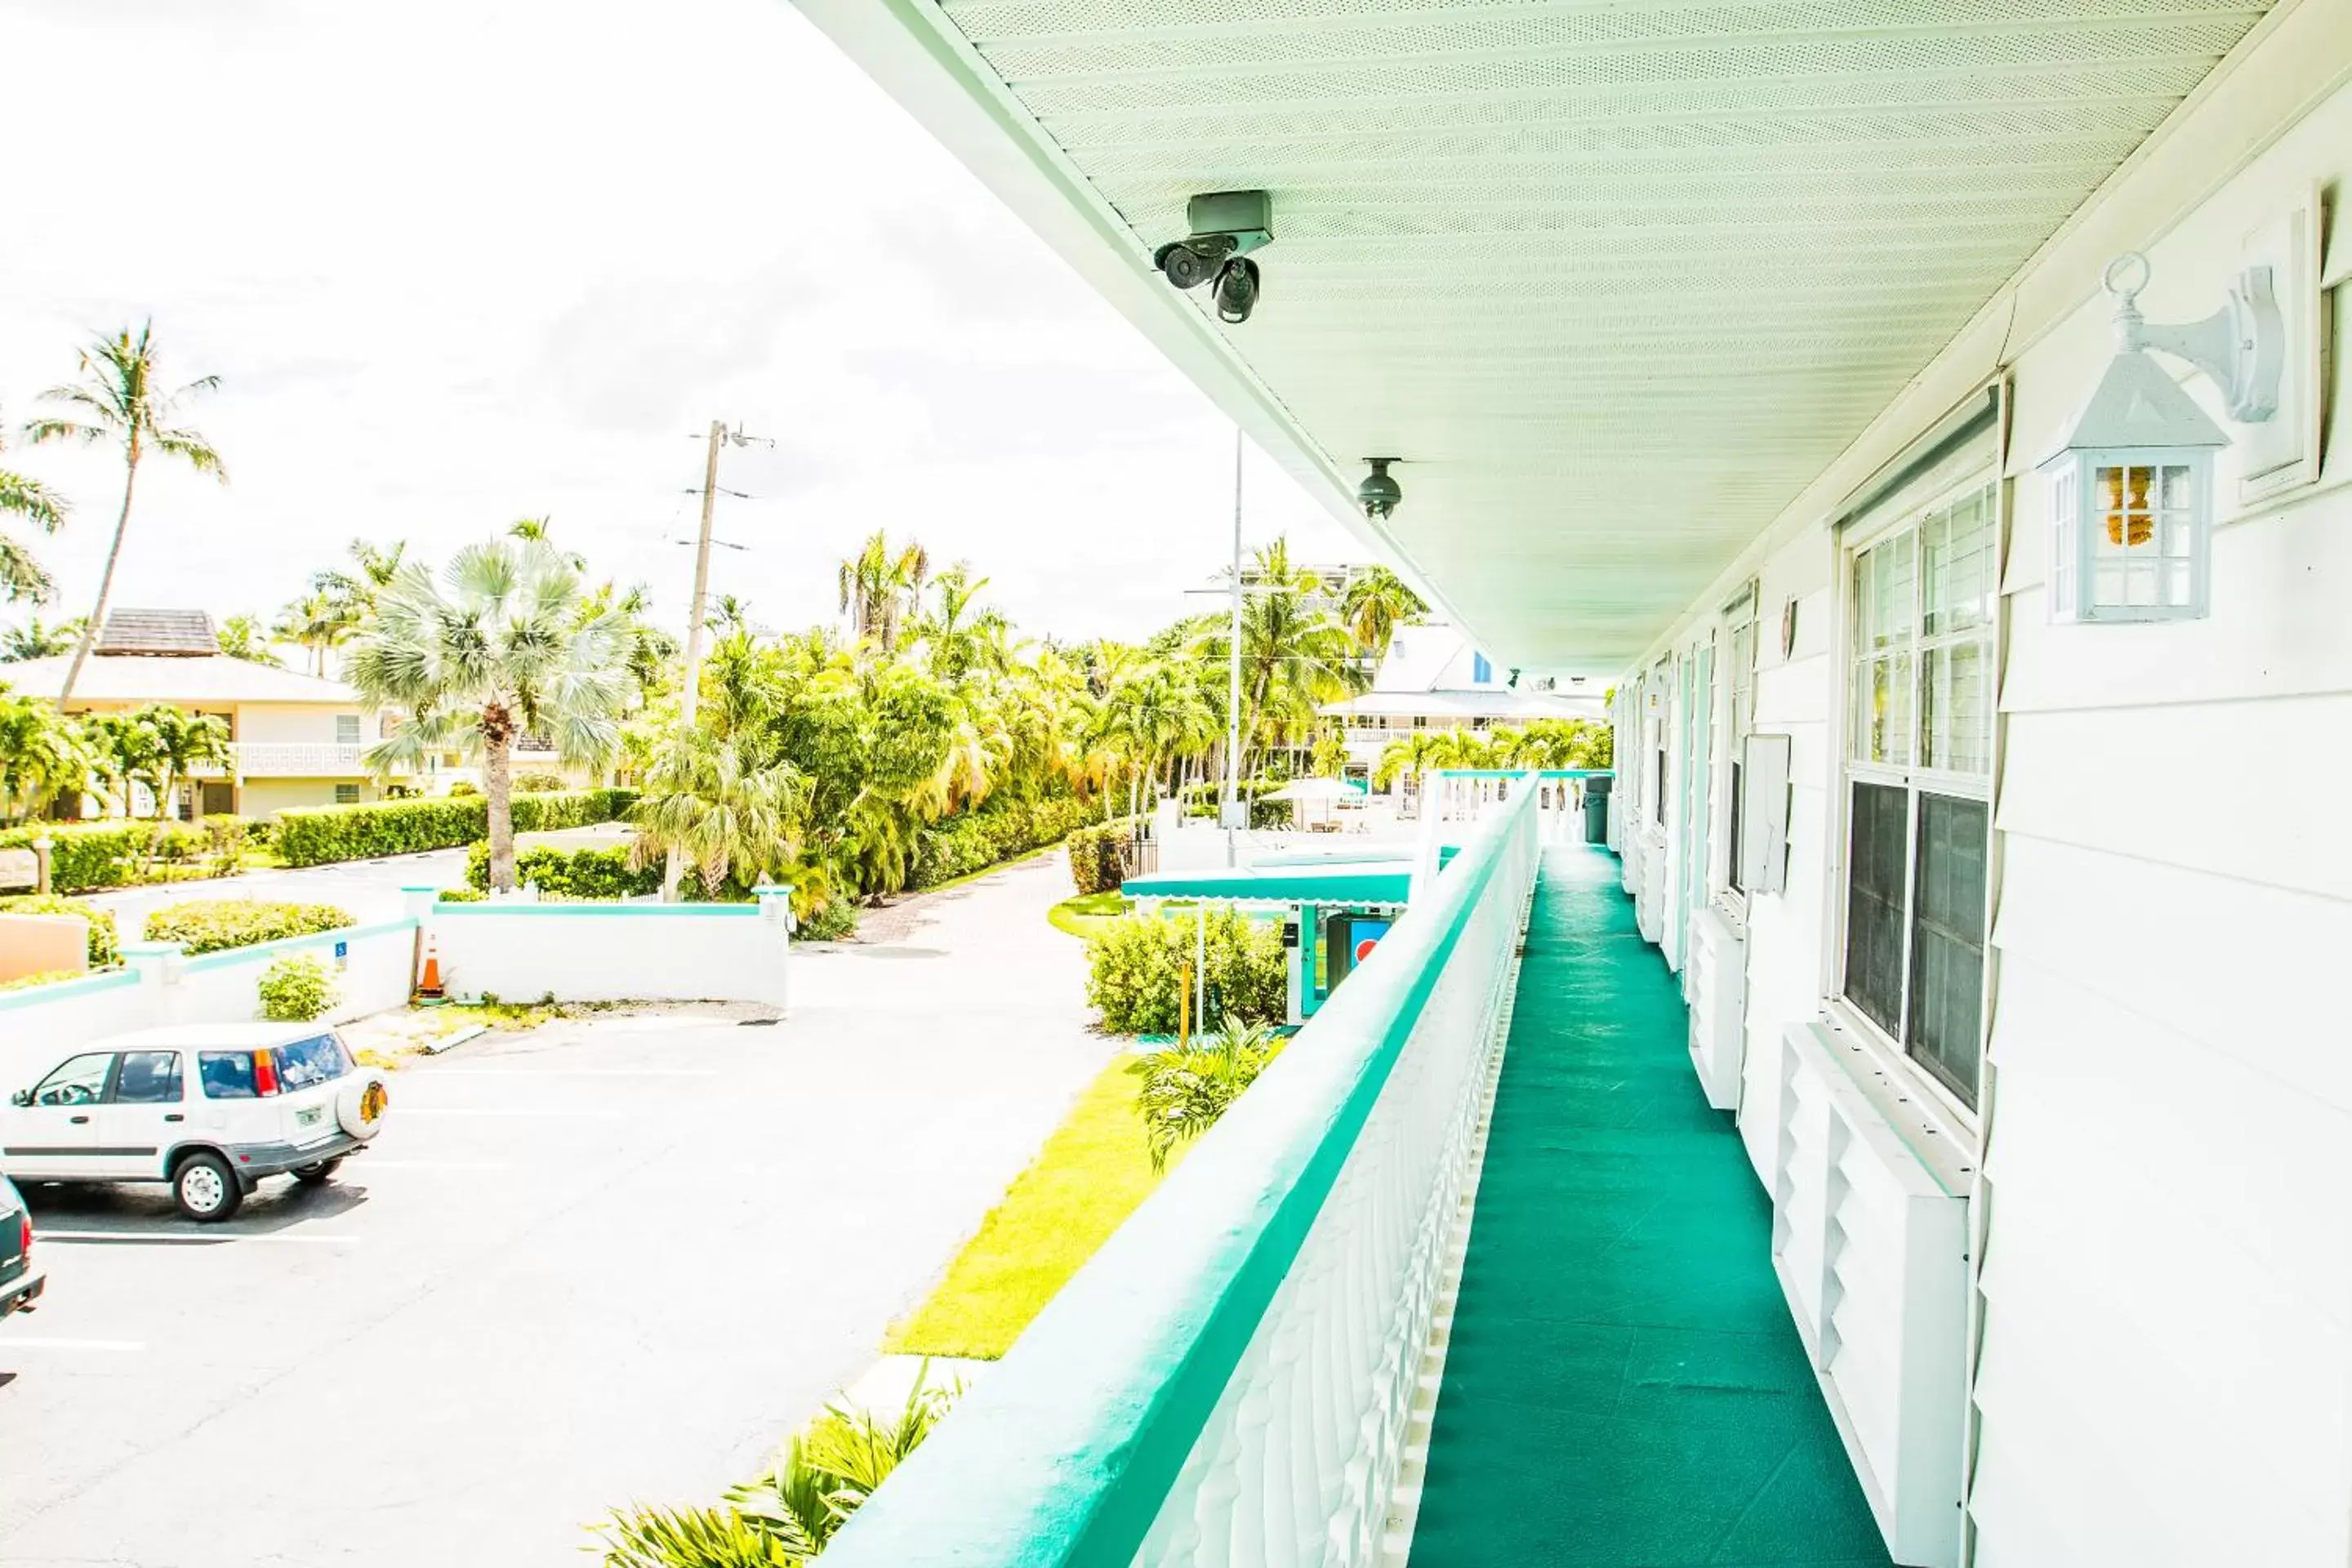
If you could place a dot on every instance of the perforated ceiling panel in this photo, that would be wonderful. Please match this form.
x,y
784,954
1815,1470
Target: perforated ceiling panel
x,y
1617,277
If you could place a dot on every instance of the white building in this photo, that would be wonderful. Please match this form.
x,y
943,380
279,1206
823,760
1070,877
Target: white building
x,y
1989,814
1434,679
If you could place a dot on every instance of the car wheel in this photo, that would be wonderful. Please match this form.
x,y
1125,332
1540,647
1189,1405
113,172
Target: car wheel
x,y
319,1174
206,1189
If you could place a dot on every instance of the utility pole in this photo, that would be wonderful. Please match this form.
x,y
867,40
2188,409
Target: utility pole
x,y
689,695
1233,687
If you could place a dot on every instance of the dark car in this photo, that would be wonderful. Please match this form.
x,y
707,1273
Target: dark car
x,y
20,1282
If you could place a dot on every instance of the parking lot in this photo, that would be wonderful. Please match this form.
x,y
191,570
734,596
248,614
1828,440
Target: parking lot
x,y
610,1259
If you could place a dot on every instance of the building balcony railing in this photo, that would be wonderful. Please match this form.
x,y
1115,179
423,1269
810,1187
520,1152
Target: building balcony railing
x,y
1231,1378
287,759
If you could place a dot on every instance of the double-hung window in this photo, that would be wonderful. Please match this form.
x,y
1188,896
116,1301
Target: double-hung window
x,y
1919,780
1740,657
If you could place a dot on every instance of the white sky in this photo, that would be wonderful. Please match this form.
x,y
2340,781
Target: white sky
x,y
460,261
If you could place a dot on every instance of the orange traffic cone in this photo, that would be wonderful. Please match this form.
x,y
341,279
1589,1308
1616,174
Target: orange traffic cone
x,y
429,988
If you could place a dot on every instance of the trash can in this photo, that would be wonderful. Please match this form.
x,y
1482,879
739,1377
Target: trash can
x,y
1596,809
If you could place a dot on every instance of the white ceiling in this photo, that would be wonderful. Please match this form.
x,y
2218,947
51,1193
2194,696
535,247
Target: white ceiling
x,y
1617,277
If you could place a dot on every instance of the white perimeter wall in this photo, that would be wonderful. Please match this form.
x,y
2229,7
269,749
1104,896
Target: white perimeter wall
x,y
2163,1322
41,1027
606,952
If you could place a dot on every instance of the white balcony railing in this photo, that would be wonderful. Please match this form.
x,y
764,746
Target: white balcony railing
x,y
287,759
1229,1380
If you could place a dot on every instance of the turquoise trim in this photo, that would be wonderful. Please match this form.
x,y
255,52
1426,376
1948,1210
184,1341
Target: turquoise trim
x,y
228,957
1064,1454
1522,772
739,911
1357,883
65,990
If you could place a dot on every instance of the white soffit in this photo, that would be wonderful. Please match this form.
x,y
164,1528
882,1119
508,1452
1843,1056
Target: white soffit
x,y
1617,279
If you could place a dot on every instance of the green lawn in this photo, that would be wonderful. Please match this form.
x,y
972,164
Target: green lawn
x,y
1086,914
1088,1179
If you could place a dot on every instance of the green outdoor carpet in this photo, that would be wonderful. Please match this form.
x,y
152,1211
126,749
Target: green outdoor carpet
x,y
1624,1387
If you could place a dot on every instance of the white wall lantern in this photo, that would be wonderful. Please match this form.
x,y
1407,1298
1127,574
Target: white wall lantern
x,y
2131,488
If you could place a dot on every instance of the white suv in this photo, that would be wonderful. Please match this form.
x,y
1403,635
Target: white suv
x,y
211,1108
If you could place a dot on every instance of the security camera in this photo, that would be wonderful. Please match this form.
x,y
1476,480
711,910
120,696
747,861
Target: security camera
x,y
1379,494
1236,291
1226,226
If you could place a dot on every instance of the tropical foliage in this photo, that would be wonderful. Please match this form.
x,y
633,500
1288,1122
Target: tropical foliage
x,y
213,925
297,988
822,1476
1138,969
31,502
1187,1087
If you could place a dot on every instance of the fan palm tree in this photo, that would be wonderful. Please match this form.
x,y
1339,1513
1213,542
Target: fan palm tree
x,y
495,649
22,576
42,756
116,400
877,588
1374,605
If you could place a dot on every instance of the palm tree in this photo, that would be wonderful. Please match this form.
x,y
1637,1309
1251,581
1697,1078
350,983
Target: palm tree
x,y
1374,605
1295,654
116,400
719,806
42,756
22,576
877,587
728,614
241,636
33,640
317,621
1409,755
496,649
353,593
184,744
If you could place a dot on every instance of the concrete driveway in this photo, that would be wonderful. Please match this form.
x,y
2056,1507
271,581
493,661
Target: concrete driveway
x,y
609,1260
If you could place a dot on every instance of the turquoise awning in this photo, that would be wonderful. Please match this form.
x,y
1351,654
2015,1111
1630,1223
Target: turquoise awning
x,y
1355,882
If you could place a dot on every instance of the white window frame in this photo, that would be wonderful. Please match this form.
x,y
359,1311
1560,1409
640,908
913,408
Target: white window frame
x,y
1733,723
1915,780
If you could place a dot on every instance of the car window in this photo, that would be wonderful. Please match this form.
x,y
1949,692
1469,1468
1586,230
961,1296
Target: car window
x,y
77,1080
306,1064
225,1075
148,1078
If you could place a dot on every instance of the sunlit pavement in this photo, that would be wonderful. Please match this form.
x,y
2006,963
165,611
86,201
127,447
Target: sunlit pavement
x,y
607,1261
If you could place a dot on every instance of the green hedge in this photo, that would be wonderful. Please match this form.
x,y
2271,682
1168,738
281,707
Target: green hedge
x,y
105,949
576,873
1095,863
1135,971
83,856
997,830
212,925
319,836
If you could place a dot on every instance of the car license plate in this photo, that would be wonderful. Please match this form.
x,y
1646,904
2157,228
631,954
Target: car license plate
x,y
310,1117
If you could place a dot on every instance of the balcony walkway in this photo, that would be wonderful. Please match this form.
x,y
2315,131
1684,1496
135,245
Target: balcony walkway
x,y
1624,1388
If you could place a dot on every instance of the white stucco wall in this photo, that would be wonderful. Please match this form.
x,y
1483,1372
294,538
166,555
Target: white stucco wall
x,y
613,952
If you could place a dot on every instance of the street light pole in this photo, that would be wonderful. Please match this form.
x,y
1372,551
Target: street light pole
x,y
1234,685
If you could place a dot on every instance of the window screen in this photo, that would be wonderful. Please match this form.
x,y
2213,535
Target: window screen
x,y
1947,941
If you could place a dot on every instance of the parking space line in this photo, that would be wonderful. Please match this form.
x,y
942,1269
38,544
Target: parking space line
x,y
534,1111
11,1343
576,1072
191,1237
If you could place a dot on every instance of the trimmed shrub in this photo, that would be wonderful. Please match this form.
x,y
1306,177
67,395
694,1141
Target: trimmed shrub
x,y
997,830
297,988
462,896
1096,866
538,783
587,874
105,948
86,854
213,925
837,921
1135,971
319,836
464,787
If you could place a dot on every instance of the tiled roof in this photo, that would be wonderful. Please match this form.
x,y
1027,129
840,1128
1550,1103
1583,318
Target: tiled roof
x,y
183,681
182,634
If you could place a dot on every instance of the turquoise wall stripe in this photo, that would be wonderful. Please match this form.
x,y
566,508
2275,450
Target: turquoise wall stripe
x,y
1064,1455
66,990
261,951
668,911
